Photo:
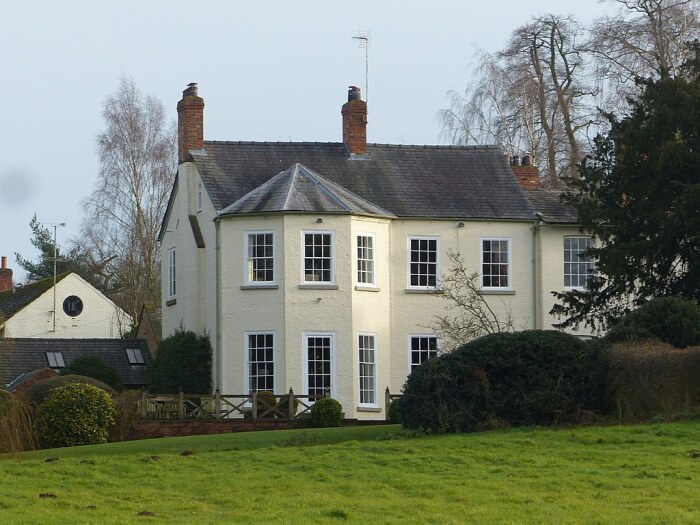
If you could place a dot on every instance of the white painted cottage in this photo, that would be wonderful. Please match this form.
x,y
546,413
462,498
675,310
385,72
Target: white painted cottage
x,y
74,309
311,265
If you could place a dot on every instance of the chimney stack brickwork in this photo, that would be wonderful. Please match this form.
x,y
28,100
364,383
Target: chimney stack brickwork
x,y
525,171
354,113
5,276
190,123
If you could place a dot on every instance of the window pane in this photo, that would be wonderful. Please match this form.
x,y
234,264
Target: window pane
x,y
495,266
578,265
422,349
261,366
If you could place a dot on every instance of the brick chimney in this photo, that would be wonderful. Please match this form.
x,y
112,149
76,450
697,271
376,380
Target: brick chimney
x,y
354,113
190,123
5,276
527,174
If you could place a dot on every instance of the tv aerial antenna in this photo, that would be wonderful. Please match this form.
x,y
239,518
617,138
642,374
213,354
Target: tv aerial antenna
x,y
364,38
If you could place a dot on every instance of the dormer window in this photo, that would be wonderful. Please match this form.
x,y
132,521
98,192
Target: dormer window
x,y
55,360
135,356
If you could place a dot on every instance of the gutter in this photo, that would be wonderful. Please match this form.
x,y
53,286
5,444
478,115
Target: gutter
x,y
217,313
537,301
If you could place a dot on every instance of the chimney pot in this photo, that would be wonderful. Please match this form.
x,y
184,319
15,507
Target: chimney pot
x,y
354,93
4,262
191,90
5,276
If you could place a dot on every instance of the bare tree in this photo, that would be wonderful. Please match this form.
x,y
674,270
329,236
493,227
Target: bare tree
x,y
473,315
137,151
532,96
643,39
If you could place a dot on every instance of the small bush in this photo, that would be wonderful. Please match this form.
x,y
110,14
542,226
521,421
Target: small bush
x,y
394,414
16,423
38,391
126,414
326,412
74,414
525,378
651,380
672,320
183,361
93,366
266,403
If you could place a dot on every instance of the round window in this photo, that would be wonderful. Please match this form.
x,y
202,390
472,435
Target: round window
x,y
73,306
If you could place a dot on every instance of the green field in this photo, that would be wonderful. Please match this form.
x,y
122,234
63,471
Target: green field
x,y
631,474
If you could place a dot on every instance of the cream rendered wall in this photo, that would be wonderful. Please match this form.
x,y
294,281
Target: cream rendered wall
x,y
413,311
100,318
552,271
194,305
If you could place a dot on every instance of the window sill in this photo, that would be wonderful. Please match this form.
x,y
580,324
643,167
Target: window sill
x,y
505,291
367,288
170,302
260,287
369,409
432,291
318,286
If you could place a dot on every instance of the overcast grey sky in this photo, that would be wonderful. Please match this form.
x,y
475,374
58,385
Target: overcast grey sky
x,y
274,71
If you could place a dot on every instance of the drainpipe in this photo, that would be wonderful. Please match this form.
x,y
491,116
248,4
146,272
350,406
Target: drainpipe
x,y
217,343
537,304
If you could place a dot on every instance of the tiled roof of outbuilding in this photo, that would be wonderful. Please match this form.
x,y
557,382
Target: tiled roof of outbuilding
x,y
409,181
20,356
547,205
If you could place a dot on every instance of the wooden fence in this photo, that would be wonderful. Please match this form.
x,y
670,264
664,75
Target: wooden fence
x,y
254,406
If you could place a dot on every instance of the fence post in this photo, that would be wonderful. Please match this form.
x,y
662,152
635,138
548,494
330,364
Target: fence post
x,y
217,404
291,412
142,407
180,404
387,403
255,405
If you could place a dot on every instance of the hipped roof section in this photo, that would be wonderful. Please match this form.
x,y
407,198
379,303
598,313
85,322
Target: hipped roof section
x,y
406,181
299,189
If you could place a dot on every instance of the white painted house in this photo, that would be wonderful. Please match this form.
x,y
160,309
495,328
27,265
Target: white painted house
x,y
311,265
77,310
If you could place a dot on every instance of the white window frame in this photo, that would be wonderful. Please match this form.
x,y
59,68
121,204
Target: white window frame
x,y
199,195
305,361
247,361
135,357
172,273
303,257
372,364
509,242
55,360
437,261
247,260
586,261
411,337
372,261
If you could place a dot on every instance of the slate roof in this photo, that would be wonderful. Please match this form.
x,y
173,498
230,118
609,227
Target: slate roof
x,y
12,302
548,207
23,356
458,182
300,189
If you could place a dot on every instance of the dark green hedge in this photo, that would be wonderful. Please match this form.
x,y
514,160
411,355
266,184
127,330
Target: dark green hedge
x,y
525,378
94,366
183,361
38,391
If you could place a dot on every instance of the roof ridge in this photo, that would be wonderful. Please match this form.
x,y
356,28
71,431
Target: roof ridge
x,y
375,144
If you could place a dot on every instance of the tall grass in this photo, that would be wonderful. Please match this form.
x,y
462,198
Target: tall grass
x,y
16,423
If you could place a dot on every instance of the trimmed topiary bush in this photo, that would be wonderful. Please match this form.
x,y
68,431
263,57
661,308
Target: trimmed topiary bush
x,y
74,414
524,378
183,361
326,412
672,320
93,366
38,391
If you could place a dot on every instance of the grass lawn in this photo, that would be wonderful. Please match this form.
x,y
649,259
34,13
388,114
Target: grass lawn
x,y
631,474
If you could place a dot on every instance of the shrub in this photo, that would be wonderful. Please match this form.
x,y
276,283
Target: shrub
x,y
266,401
394,414
672,320
39,390
283,406
16,423
183,361
126,414
649,380
326,412
93,366
74,414
523,378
